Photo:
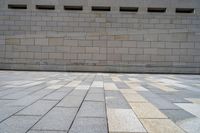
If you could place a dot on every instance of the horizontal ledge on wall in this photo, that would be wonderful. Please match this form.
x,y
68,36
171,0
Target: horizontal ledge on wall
x,y
74,8
184,10
107,8
17,6
45,7
101,8
156,10
128,9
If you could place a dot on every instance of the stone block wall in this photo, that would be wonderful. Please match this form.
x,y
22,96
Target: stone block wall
x,y
108,41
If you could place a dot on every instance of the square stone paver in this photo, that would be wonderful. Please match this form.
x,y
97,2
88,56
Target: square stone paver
x,y
178,114
38,108
190,107
89,125
191,125
18,124
71,101
57,119
92,109
95,97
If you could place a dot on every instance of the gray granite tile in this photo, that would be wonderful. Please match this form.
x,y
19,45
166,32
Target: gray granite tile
x,y
38,108
4,102
190,125
57,119
78,93
173,98
177,115
121,85
95,97
95,90
190,107
18,124
71,101
8,111
92,109
58,95
114,99
29,99
89,125
161,103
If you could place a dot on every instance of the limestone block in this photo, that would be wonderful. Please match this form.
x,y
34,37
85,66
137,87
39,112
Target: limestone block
x,y
13,41
55,41
41,41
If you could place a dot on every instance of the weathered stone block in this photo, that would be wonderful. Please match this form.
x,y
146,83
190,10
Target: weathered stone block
x,y
56,41
41,41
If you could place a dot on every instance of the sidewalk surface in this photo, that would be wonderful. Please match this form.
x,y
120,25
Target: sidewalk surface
x,y
60,102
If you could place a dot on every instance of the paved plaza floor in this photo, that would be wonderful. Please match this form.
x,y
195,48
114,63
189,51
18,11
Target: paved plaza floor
x,y
60,102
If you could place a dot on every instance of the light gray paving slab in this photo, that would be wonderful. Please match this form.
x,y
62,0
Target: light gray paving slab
x,y
96,90
65,89
18,124
97,84
78,93
190,125
190,107
4,102
121,85
174,98
16,95
92,109
57,119
89,125
8,111
9,91
82,87
148,94
38,108
71,101
114,99
58,95
177,114
186,93
29,99
161,103
95,97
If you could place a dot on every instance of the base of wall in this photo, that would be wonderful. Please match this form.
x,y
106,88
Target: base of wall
x,y
116,69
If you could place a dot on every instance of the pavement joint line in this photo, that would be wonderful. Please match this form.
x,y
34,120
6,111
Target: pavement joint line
x,y
93,101
30,92
51,108
93,79
90,117
48,130
25,115
49,100
27,105
23,108
105,105
65,107
133,110
45,114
